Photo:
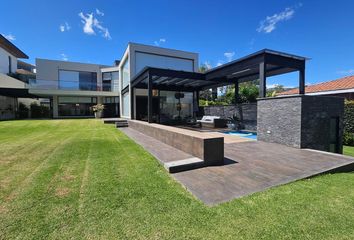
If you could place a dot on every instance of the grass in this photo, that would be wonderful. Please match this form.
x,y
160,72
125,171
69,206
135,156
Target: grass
x,y
80,179
348,151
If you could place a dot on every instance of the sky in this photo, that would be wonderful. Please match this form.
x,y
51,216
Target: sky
x,y
220,31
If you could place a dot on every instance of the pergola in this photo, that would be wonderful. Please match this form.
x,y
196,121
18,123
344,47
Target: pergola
x,y
259,65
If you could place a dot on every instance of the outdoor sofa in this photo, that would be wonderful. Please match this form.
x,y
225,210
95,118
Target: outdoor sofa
x,y
212,122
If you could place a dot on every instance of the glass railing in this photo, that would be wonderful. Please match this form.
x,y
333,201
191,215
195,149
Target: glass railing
x,y
69,85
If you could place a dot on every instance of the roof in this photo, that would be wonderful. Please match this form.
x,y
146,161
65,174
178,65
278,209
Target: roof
x,y
22,63
11,48
338,84
241,70
25,72
260,52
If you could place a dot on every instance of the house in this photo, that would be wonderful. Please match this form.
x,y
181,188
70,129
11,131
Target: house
x,y
73,88
342,87
10,87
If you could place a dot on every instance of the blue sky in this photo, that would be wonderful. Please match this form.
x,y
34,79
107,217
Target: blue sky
x,y
98,31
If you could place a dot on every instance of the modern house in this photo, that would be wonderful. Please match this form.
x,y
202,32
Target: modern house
x,y
11,88
73,88
342,87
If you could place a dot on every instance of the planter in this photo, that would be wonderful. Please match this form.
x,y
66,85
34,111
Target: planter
x,y
98,114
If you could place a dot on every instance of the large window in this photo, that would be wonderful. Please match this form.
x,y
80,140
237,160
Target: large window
x,y
152,60
74,80
125,74
175,106
110,81
125,105
76,106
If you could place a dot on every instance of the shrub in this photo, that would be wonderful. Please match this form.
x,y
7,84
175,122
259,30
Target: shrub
x,y
349,117
348,139
22,111
38,111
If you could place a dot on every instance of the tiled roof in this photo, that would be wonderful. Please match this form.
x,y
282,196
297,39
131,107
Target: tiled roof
x,y
338,84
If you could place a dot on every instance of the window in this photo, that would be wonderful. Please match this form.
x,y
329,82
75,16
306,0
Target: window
x,y
110,100
110,81
74,80
125,105
152,60
125,74
76,106
10,65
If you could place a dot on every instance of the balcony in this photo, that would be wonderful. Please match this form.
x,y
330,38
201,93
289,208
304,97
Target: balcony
x,y
37,84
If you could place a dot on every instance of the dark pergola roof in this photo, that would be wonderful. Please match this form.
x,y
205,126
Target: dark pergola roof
x,y
244,69
247,68
168,79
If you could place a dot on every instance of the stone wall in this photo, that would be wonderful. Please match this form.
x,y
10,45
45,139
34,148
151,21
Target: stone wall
x,y
299,121
247,112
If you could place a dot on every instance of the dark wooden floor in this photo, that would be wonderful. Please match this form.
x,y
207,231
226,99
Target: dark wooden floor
x,y
249,167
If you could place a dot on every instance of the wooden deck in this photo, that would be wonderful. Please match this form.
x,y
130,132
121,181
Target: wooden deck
x,y
250,166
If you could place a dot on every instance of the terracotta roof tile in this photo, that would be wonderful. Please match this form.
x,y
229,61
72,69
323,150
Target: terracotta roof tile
x,y
338,84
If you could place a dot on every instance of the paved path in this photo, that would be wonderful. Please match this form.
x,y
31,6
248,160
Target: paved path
x,y
250,167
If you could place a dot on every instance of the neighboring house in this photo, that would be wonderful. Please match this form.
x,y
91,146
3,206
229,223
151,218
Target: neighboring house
x,y
73,88
10,87
9,54
342,87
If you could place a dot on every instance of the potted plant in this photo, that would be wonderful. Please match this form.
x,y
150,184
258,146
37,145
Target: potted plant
x,y
98,110
234,122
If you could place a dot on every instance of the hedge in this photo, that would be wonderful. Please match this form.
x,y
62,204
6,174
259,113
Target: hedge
x,y
349,123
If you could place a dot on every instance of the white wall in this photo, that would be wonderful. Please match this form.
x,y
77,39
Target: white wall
x,y
4,62
141,56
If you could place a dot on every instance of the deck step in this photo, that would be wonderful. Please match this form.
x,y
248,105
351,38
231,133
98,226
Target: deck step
x,y
184,165
121,123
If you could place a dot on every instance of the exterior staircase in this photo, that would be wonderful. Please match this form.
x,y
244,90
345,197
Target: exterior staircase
x,y
121,123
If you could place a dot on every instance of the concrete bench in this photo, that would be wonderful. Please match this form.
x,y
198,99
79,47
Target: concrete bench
x,y
208,148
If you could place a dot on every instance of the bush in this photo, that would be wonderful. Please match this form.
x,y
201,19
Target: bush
x,y
204,103
348,139
38,111
22,111
349,117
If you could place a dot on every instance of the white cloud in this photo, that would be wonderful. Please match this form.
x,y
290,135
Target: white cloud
x,y
103,30
229,56
219,63
64,57
99,13
88,23
160,41
64,27
346,72
269,24
208,65
91,23
9,37
270,86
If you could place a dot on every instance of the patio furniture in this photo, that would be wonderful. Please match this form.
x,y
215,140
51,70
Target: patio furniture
x,y
193,123
212,122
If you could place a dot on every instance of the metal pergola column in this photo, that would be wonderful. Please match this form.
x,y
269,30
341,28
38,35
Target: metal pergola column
x,y
149,98
262,80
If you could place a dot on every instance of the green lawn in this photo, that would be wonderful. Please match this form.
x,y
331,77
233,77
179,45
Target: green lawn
x,y
349,151
62,179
